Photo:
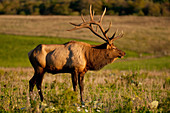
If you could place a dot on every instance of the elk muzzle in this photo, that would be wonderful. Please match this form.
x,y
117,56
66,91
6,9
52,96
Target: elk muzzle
x,y
121,54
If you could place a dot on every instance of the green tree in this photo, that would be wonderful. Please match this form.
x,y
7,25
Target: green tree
x,y
10,7
161,1
82,6
68,7
154,9
139,5
165,9
61,9
1,8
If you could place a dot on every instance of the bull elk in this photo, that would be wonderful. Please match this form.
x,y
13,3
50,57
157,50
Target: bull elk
x,y
74,57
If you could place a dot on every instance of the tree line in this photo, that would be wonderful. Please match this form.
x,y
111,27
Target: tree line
x,y
76,7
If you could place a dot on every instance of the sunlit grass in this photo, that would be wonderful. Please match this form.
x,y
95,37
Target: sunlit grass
x,y
160,63
105,91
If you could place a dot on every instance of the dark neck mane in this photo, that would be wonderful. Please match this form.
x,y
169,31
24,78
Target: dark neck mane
x,y
102,46
98,58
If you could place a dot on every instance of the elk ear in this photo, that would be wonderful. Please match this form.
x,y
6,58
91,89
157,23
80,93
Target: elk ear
x,y
110,46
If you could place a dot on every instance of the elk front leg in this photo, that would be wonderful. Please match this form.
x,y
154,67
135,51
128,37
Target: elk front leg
x,y
74,80
81,85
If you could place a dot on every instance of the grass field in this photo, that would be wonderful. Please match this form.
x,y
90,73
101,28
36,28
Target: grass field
x,y
105,91
140,82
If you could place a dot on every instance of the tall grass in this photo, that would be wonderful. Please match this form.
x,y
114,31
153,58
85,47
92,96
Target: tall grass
x,y
105,91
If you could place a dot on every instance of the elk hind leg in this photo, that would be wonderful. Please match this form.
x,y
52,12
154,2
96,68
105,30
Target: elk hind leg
x,y
36,79
39,83
32,83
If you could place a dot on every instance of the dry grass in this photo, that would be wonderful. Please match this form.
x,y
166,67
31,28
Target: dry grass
x,y
142,34
105,91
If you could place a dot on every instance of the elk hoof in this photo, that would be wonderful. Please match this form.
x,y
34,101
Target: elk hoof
x,y
82,104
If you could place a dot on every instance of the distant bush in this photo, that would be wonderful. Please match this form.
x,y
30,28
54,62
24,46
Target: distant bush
x,y
69,7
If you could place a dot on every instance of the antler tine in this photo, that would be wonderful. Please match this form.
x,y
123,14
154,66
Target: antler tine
x,y
120,35
77,26
83,18
89,25
100,26
96,33
101,18
84,25
74,24
114,35
91,15
108,27
117,37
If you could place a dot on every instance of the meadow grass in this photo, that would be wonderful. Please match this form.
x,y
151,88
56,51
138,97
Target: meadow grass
x,y
14,50
105,91
160,63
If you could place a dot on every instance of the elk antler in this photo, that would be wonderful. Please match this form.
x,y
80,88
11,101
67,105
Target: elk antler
x,y
117,37
90,24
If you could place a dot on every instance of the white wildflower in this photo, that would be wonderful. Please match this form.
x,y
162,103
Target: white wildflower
x,y
86,110
78,108
83,106
154,104
98,110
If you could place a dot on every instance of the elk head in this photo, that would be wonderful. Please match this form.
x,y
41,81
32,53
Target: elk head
x,y
90,25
